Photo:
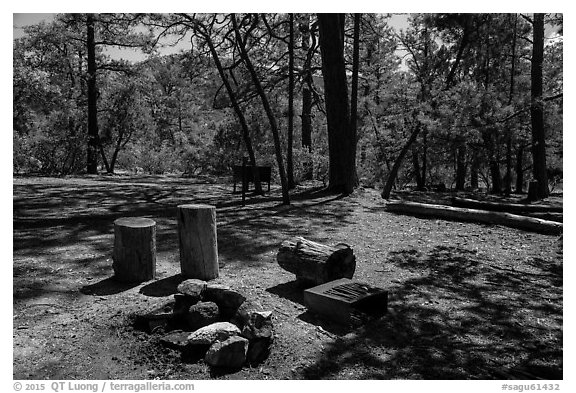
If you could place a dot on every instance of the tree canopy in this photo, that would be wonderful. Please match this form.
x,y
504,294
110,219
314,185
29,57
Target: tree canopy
x,y
467,100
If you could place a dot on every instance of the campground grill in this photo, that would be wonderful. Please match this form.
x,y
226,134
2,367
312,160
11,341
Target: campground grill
x,y
347,301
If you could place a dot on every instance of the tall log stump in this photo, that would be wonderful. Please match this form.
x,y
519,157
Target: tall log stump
x,y
134,255
314,263
198,241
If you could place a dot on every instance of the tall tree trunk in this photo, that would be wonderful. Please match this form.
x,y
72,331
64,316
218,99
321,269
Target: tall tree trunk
x,y
520,170
355,71
489,132
307,98
508,177
289,158
241,119
461,165
513,61
267,109
113,159
108,168
354,95
493,163
94,142
398,162
537,108
420,185
474,169
496,177
341,138
463,43
92,152
424,156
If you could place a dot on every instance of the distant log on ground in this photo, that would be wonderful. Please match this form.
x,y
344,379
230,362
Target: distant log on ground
x,y
315,263
488,217
134,256
515,208
558,217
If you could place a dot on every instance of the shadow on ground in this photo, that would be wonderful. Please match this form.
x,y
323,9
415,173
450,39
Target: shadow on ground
x,y
163,287
459,317
291,290
108,286
63,227
453,313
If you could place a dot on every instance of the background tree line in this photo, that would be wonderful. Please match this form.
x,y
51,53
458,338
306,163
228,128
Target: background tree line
x,y
467,100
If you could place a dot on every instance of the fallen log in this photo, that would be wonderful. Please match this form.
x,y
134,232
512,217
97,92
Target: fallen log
x,y
558,217
475,215
515,208
314,263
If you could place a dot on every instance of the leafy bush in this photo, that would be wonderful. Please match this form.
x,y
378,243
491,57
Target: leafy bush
x,y
160,160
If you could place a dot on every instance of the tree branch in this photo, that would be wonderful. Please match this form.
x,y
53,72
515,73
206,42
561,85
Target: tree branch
x,y
527,18
554,97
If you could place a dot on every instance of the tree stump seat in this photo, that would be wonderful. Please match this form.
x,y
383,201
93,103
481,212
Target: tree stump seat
x,y
198,241
134,255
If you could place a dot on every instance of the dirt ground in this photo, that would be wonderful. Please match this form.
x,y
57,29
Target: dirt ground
x,y
466,300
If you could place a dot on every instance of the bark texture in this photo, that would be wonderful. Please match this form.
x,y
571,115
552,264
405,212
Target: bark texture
x,y
198,241
314,263
341,137
134,255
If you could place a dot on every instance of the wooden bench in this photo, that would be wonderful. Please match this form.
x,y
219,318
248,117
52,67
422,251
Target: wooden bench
x,y
245,175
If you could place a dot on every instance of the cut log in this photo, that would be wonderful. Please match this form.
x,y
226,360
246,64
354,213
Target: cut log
x,y
134,255
475,215
515,208
198,241
314,263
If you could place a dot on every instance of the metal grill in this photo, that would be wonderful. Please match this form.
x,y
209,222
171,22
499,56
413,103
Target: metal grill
x,y
352,291
347,301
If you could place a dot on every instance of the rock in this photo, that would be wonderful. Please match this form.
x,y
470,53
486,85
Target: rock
x,y
218,331
259,325
153,322
182,304
230,353
158,325
156,318
259,317
227,299
157,315
242,315
193,288
163,311
265,331
259,329
176,339
202,314
258,350
194,353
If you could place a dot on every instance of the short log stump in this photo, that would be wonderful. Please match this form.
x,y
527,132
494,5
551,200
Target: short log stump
x,y
134,256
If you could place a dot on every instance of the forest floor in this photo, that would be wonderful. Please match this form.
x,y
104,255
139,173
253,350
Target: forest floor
x,y
466,300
